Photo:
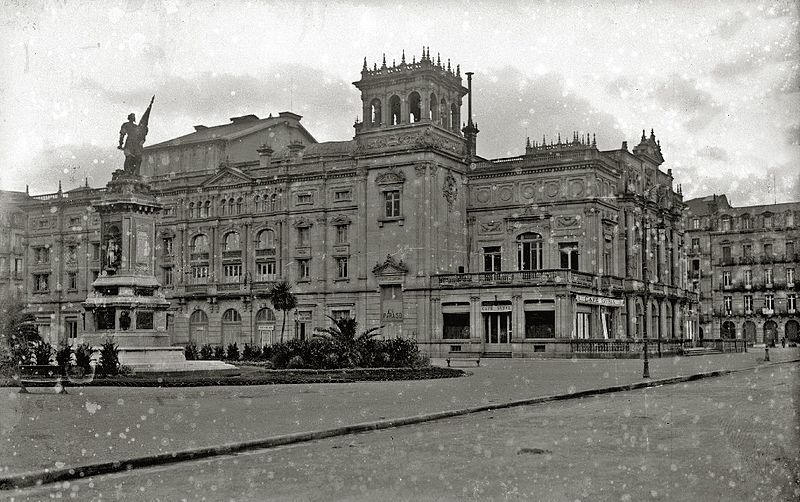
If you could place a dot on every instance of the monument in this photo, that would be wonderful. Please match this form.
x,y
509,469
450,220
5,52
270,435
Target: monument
x,y
126,303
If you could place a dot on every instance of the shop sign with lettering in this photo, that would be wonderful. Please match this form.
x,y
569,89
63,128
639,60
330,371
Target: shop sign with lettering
x,y
600,300
496,308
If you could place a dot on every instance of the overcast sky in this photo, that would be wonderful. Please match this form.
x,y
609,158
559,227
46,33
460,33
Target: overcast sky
x,y
718,81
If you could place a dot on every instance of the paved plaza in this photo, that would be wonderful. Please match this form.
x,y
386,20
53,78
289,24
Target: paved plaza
x,y
95,424
733,437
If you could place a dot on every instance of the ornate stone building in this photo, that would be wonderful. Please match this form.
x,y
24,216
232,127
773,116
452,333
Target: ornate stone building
x,y
744,261
564,248
12,233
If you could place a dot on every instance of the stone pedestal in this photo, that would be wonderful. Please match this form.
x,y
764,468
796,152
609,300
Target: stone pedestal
x,y
126,303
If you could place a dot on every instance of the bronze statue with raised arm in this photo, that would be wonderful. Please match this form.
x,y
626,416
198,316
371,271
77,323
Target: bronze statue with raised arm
x,y
134,143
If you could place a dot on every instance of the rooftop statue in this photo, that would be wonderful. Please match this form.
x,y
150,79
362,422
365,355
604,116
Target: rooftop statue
x,y
134,143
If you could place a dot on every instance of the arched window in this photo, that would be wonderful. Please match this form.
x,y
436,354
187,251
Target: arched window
x,y
639,319
232,328
265,315
223,207
207,209
257,203
749,330
239,205
266,239
444,114
199,244
669,333
433,113
232,241
191,210
375,112
747,223
728,331
792,331
655,317
231,206
198,328
273,202
529,251
414,107
455,117
394,111
770,333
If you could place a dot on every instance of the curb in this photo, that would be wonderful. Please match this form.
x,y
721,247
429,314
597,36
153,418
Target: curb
x,y
37,478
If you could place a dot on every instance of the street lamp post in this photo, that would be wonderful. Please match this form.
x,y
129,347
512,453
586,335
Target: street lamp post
x,y
645,230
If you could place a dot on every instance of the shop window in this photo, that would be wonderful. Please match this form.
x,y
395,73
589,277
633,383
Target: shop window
x,y
455,325
540,324
583,325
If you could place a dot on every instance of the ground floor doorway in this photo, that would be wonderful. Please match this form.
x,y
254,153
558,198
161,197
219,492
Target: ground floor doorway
x,y
497,331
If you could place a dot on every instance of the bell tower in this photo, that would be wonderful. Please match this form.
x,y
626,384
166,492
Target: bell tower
x,y
411,93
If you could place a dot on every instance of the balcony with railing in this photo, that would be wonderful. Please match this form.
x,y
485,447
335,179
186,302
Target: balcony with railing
x,y
199,256
545,277
265,252
234,254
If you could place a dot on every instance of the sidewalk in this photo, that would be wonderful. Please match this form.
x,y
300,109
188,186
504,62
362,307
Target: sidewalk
x,y
40,431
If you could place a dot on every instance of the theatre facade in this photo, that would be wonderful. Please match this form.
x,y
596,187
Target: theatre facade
x,y
562,249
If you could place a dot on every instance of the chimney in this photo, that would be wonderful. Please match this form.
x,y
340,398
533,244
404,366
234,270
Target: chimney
x,y
264,155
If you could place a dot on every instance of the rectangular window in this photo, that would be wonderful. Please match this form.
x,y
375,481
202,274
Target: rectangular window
x,y
695,244
169,211
304,269
304,198
392,203
200,274
168,276
265,271
726,278
74,221
747,251
790,276
341,267
768,221
95,251
748,304
789,250
232,273
540,324
72,254
72,281
41,254
166,246
340,195
696,223
341,234
71,328
17,268
569,255
492,258
695,269
790,219
302,236
728,305
767,249
767,276
583,325
41,283
726,255
726,225
748,277
791,302
455,325
769,302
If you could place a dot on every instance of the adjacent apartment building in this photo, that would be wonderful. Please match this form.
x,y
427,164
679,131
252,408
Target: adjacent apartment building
x,y
743,262
564,248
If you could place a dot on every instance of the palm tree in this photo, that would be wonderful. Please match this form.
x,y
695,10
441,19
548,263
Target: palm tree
x,y
343,335
283,299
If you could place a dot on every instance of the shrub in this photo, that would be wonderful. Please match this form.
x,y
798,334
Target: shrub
x,y
42,352
64,357
21,353
280,355
206,352
83,357
109,358
402,352
251,352
296,362
266,352
233,352
190,351
219,352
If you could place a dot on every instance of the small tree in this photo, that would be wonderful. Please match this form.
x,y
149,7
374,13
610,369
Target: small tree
x,y
283,299
109,357
348,344
42,351
64,357
17,328
233,352
83,357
